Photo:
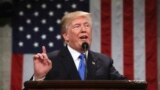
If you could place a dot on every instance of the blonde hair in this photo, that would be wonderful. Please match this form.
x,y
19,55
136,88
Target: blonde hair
x,y
69,17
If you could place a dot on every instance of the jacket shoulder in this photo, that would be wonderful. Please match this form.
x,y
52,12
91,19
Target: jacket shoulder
x,y
100,55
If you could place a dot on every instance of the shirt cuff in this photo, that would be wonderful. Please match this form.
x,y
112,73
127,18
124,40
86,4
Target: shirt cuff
x,y
40,79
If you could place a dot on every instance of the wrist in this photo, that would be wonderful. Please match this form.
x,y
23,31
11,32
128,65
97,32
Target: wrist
x,y
38,78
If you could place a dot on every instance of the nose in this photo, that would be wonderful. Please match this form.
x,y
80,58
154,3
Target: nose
x,y
83,28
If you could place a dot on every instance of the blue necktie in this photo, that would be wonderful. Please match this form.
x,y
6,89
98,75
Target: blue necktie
x,y
81,68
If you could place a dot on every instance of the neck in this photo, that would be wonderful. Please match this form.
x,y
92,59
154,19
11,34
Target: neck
x,y
78,50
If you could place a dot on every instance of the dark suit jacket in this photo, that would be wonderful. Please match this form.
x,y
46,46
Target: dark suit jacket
x,y
99,67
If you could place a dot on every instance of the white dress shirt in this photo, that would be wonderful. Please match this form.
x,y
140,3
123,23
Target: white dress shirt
x,y
75,55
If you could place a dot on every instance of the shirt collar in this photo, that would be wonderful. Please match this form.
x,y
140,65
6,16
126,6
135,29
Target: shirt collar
x,y
75,54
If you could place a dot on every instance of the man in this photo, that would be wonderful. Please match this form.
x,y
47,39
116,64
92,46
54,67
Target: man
x,y
76,29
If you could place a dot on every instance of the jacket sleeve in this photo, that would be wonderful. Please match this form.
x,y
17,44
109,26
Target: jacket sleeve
x,y
114,74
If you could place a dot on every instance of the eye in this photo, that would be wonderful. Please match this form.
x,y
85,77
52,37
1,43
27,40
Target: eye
x,y
87,25
76,26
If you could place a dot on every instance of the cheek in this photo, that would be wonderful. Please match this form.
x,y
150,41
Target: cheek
x,y
73,36
90,33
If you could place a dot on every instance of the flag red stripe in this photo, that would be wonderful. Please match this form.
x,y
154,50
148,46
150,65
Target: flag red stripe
x,y
151,43
106,27
16,72
128,38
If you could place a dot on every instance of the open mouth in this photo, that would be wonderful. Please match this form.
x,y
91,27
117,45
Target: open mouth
x,y
84,37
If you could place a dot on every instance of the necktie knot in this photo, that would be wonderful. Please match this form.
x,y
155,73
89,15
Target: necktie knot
x,y
82,56
81,68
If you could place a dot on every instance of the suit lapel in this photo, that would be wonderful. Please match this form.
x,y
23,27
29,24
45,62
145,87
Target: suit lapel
x,y
91,66
69,65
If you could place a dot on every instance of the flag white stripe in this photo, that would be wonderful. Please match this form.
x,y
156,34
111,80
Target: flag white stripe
x,y
95,10
27,67
117,34
139,40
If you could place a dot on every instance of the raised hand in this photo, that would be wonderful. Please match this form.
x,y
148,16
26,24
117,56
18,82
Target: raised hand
x,y
42,64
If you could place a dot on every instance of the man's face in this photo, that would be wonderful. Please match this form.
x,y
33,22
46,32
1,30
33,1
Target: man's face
x,y
79,31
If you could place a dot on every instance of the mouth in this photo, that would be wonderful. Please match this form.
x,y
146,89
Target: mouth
x,y
84,37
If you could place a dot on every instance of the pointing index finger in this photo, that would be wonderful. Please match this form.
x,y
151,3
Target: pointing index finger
x,y
44,49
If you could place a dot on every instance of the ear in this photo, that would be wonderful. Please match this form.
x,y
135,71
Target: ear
x,y
65,36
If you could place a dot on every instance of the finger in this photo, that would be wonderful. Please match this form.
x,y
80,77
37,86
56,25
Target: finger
x,y
49,62
44,56
35,57
40,56
44,49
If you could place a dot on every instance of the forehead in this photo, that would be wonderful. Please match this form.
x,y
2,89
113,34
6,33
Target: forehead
x,y
81,19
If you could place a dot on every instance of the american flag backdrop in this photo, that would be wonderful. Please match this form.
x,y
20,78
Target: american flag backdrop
x,y
126,30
